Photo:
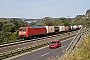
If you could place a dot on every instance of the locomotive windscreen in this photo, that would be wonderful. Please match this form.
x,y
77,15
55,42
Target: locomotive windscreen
x,y
37,27
22,29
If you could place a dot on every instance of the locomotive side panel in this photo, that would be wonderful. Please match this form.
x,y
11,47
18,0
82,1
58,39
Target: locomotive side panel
x,y
29,31
37,30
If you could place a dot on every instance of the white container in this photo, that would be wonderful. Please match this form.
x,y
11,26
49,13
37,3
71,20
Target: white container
x,y
61,28
50,29
71,27
80,26
74,27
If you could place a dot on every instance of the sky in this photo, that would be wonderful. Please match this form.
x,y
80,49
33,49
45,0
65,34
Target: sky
x,y
43,8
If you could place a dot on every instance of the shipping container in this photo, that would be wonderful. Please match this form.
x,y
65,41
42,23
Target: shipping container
x,y
74,27
80,26
56,29
61,28
71,27
50,29
67,28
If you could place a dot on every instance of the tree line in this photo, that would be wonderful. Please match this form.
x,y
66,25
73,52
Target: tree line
x,y
78,20
9,30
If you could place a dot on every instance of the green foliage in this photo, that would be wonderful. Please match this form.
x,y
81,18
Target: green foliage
x,y
20,23
17,24
8,27
15,35
66,21
88,13
32,24
47,21
57,22
2,37
9,30
79,20
5,37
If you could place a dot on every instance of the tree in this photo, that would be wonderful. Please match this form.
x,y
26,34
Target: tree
x,y
66,21
46,21
57,22
17,23
8,27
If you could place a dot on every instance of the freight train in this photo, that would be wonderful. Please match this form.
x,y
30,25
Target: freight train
x,y
29,31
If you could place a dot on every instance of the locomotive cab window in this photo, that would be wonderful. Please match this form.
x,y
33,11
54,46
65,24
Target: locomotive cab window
x,y
22,29
53,42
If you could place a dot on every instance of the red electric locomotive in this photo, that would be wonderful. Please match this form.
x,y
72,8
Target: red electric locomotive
x,y
27,32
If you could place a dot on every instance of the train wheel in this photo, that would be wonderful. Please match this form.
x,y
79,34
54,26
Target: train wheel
x,y
25,38
30,37
45,35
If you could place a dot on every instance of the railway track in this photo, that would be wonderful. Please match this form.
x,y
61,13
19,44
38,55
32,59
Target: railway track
x,y
27,43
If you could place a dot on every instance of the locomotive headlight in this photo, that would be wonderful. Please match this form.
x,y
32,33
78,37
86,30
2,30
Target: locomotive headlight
x,y
24,32
19,32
